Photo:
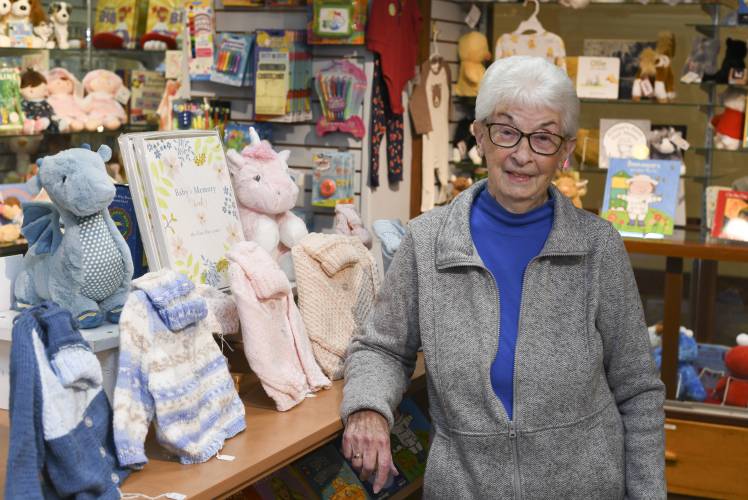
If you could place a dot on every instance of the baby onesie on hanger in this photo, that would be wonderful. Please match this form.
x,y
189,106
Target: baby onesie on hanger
x,y
545,44
435,161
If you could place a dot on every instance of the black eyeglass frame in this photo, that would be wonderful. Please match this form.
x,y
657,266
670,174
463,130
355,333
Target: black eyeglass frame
x,y
522,135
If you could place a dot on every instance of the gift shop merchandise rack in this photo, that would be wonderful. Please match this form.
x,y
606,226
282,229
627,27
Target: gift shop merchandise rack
x,y
78,61
698,436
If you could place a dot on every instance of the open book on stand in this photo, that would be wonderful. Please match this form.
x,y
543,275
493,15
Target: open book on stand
x,y
184,202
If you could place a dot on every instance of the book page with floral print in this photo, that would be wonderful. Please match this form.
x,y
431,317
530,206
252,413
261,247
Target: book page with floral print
x,y
193,204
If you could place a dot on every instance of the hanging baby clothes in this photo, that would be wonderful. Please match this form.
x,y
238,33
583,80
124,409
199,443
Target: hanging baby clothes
x,y
392,33
430,110
275,342
542,44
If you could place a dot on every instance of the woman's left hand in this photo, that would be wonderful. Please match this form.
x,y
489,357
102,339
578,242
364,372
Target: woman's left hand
x,y
366,443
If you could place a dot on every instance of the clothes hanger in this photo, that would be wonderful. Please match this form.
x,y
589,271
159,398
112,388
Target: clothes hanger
x,y
435,56
531,24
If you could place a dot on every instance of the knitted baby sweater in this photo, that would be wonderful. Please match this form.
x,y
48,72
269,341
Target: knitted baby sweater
x,y
171,368
275,343
337,280
60,420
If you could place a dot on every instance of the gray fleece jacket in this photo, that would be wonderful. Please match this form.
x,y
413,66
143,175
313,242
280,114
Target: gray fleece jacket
x,y
588,405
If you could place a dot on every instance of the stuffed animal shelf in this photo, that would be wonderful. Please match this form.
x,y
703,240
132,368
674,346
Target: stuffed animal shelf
x,y
690,387
732,389
655,75
473,51
728,125
88,268
265,194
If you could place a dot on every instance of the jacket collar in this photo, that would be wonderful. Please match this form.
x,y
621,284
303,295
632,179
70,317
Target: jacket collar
x,y
454,242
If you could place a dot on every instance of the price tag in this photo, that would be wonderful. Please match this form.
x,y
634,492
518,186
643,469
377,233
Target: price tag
x,y
473,16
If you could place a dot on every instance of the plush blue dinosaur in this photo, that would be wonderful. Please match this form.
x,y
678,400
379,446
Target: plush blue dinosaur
x,y
86,269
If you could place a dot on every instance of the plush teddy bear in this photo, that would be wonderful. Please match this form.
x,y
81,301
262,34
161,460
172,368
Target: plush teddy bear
x,y
735,52
728,125
39,115
690,387
459,184
266,193
473,51
732,389
655,75
65,98
5,8
571,186
101,106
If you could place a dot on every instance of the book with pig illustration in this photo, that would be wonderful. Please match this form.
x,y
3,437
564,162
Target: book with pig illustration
x,y
641,196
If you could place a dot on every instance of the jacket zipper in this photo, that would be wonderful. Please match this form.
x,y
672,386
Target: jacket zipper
x,y
515,459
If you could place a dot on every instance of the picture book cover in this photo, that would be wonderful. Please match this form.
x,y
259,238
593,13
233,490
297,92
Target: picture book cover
x,y
184,200
147,90
328,473
731,216
597,77
410,440
710,195
284,484
641,196
620,138
627,51
122,212
11,113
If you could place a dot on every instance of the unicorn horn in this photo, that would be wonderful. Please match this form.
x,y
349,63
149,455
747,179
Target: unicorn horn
x,y
254,139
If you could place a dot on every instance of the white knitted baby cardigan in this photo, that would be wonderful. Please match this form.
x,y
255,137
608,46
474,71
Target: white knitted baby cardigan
x,y
171,368
337,281
275,342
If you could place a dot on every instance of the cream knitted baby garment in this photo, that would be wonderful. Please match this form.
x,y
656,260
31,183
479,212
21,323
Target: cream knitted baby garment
x,y
275,343
337,281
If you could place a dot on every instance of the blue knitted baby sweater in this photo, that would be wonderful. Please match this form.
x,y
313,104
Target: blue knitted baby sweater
x,y
61,442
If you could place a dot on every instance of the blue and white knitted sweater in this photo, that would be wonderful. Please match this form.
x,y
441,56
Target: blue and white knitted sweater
x,y
171,368
61,443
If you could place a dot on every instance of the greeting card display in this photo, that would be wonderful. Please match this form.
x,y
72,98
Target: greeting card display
x,y
184,201
641,196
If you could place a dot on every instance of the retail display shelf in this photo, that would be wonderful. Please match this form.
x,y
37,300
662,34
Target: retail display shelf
x,y
271,441
264,8
13,248
83,52
122,130
688,246
646,102
702,151
710,412
100,339
641,3
710,29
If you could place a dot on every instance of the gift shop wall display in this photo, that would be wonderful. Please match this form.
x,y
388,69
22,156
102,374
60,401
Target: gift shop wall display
x,y
178,181
641,196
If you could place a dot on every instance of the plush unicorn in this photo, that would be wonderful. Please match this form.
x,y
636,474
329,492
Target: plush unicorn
x,y
88,268
266,193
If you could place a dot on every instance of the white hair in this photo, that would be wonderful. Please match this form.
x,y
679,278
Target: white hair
x,y
532,82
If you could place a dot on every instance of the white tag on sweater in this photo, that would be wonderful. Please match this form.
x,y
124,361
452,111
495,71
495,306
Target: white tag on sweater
x,y
225,458
175,496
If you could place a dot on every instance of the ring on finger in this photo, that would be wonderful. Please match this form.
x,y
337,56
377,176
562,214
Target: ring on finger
x,y
357,455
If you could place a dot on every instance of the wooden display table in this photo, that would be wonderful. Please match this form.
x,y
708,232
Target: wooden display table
x,y
272,440
685,246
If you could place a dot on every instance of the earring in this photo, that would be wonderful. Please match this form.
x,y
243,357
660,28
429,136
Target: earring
x,y
565,165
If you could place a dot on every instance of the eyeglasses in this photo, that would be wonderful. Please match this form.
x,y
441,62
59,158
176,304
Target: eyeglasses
x,y
542,143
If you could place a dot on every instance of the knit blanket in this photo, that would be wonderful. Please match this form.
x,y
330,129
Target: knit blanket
x,y
172,370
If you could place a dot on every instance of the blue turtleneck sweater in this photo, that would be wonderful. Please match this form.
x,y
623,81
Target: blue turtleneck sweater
x,y
506,243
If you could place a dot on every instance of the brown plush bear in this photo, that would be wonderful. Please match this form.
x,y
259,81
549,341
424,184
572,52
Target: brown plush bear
x,y
459,184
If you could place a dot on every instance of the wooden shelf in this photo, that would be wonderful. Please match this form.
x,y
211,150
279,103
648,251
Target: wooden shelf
x,y
688,249
272,440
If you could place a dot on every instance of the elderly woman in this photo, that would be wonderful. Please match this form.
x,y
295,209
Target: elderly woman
x,y
540,380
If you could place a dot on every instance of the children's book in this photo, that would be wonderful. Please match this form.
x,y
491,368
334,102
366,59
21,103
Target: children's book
x,y
11,113
711,194
731,216
119,17
147,90
627,51
329,475
184,201
410,440
641,196
122,211
597,77
284,484
623,139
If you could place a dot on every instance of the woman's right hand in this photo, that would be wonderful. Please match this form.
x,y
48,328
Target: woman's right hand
x,y
366,444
